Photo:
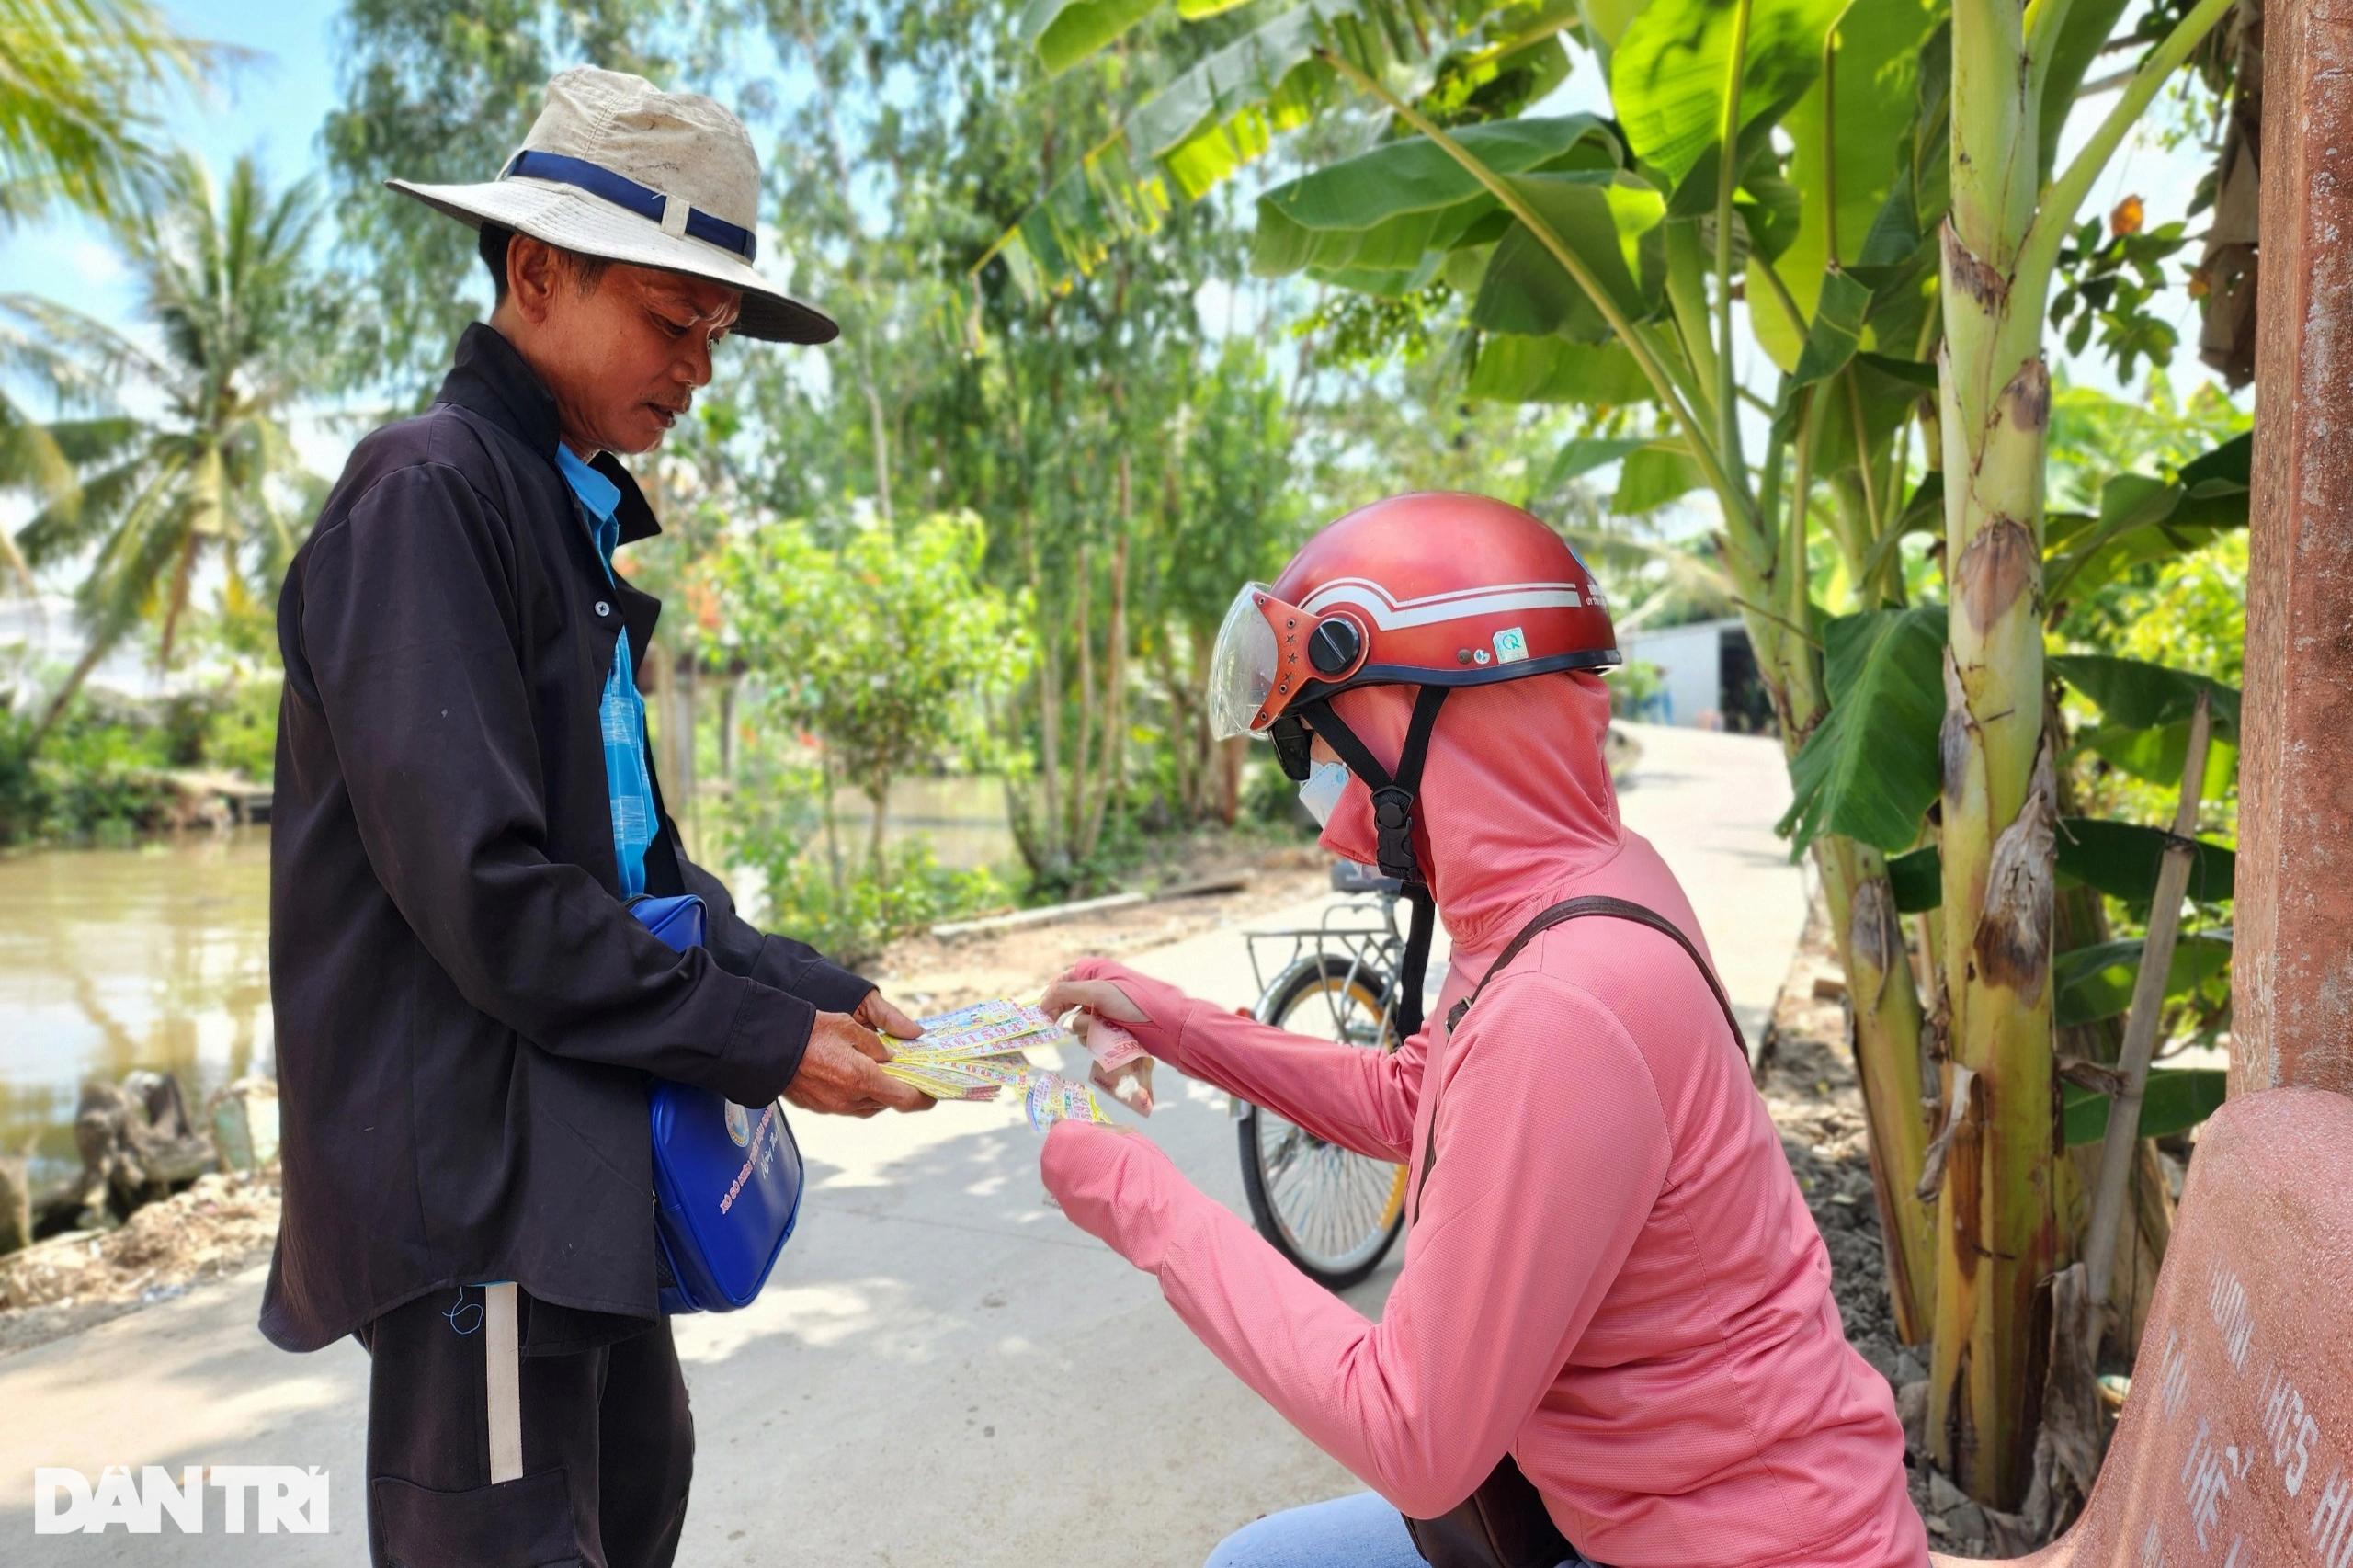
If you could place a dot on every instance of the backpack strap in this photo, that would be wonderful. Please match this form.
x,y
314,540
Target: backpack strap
x,y
1560,913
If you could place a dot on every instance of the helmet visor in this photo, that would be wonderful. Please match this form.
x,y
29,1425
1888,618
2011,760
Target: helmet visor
x,y
1242,666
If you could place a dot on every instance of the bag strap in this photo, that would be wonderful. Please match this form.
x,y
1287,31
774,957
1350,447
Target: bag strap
x,y
1560,913
1610,908
501,1350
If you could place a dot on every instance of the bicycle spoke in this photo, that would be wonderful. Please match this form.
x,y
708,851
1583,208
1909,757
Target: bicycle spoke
x,y
1331,1204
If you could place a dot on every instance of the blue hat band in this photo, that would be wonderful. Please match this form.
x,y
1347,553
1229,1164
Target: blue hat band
x,y
630,197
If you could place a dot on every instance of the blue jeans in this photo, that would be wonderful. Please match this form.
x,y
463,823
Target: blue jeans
x,y
1361,1531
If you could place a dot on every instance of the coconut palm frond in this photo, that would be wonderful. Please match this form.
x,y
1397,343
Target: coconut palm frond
x,y
85,514
59,337
79,80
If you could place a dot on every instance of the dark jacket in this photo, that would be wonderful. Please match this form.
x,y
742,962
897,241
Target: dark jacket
x,y
466,1013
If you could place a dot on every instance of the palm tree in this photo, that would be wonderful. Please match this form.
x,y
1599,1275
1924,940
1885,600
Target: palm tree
x,y
242,321
77,78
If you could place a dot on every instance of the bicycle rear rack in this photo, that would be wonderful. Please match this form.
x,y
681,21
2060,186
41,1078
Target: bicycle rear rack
x,y
1364,929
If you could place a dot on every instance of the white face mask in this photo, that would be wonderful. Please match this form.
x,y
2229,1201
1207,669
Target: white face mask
x,y
1321,793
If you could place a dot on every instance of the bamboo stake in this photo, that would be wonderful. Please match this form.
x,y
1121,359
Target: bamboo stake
x,y
2141,1030
1080,754
1727,178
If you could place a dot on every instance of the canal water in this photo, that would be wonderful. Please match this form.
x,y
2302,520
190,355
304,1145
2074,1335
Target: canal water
x,y
111,960
157,956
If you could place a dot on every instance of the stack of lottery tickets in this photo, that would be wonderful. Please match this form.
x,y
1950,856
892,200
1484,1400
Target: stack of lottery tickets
x,y
975,1052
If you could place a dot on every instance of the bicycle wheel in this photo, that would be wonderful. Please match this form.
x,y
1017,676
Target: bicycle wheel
x,y
1332,1212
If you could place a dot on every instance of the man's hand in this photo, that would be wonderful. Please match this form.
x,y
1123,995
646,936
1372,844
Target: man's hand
x,y
839,1076
877,1014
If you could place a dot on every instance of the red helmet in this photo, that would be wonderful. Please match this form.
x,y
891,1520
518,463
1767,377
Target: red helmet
x,y
1417,590
1434,591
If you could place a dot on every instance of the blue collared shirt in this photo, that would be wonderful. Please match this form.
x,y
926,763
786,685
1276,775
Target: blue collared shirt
x,y
620,713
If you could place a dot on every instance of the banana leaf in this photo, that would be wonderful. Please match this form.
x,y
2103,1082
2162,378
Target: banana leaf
x,y
2136,695
1668,74
1601,217
1917,880
2155,756
1586,453
1652,477
1065,32
1877,79
2122,858
2091,983
1870,769
1548,370
1385,208
2174,1100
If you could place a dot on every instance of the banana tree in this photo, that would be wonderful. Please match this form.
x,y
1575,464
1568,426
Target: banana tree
x,y
1747,204
1587,255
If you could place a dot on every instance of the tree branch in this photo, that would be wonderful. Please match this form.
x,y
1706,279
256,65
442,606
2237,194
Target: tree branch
x,y
2057,212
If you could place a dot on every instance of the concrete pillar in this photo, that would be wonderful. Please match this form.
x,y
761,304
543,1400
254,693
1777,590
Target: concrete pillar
x,y
2292,975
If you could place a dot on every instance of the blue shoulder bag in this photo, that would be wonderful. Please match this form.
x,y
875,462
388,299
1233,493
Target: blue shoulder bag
x,y
726,1178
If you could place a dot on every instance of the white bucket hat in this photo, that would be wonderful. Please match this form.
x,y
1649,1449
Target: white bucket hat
x,y
615,167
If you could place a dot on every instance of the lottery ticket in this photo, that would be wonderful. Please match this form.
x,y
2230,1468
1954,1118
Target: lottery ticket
x,y
1013,1068
941,1081
1054,1097
983,1028
1001,1010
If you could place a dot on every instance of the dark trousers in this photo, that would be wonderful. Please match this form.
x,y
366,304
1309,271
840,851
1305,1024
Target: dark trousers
x,y
609,1448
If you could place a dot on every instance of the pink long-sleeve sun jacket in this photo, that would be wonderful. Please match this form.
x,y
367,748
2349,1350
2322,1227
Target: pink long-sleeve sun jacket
x,y
1611,1274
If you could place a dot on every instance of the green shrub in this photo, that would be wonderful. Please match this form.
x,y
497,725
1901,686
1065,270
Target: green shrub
x,y
96,776
1632,685
854,921
241,729
834,897
1269,796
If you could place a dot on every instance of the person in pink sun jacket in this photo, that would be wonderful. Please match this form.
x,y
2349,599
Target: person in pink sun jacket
x,y
1611,1275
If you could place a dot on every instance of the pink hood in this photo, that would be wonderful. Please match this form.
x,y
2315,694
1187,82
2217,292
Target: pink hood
x,y
1515,797
1611,1274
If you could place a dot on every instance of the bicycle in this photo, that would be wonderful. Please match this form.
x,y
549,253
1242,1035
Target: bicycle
x,y
1333,1213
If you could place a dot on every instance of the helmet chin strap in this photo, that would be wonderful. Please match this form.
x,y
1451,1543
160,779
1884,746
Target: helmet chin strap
x,y
1392,817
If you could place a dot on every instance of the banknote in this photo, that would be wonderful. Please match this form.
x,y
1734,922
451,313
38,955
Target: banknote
x,y
1111,1046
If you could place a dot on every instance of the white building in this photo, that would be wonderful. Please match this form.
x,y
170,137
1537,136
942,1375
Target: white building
x,y
1707,675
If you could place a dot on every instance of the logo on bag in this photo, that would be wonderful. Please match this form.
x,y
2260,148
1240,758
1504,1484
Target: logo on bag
x,y
762,1155
739,1124
283,1496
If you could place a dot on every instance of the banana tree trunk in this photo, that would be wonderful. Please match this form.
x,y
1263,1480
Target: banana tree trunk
x,y
1863,924
1996,1234
1887,1024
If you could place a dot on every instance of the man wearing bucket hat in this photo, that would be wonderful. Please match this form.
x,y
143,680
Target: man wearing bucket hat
x,y
467,1013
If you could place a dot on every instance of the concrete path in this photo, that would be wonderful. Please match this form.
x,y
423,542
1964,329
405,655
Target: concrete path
x,y
944,1370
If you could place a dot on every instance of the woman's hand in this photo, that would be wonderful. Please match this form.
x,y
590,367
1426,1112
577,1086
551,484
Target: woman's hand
x,y
1101,996
1117,1185
1153,1011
